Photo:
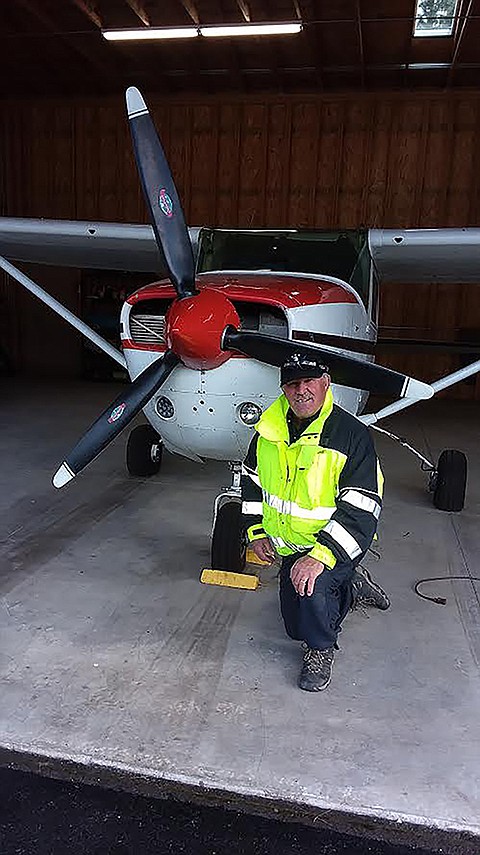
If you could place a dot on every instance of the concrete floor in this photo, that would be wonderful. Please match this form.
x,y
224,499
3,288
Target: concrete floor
x,y
117,665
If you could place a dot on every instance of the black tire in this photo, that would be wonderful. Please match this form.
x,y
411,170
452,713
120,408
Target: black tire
x,y
228,544
451,481
141,457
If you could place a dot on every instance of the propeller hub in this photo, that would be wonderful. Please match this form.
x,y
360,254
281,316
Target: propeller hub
x,y
195,326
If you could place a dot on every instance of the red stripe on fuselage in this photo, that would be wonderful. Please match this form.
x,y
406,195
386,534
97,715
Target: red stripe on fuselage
x,y
281,290
128,344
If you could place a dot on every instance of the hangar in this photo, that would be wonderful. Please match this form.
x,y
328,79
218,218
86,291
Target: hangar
x,y
117,664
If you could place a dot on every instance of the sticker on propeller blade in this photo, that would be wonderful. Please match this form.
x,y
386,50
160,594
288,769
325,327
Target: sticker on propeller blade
x,y
116,413
165,203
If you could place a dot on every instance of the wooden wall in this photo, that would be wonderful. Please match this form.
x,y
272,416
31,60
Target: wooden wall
x,y
386,160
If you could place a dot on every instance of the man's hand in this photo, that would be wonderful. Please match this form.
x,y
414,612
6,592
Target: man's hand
x,y
263,549
303,574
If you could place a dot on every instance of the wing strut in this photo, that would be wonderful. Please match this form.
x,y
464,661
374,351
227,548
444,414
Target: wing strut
x,y
61,310
437,386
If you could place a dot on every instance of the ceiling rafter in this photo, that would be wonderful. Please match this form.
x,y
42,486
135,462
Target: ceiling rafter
x,y
244,9
137,7
298,11
60,50
191,9
89,9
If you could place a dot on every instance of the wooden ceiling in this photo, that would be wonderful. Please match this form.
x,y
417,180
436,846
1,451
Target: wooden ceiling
x,y
55,48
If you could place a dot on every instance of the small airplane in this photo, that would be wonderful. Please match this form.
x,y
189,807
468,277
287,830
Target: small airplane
x,y
203,347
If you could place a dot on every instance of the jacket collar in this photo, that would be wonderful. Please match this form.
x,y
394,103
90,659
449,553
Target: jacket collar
x,y
272,425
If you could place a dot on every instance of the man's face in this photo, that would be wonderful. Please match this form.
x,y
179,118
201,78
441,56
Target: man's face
x,y
306,396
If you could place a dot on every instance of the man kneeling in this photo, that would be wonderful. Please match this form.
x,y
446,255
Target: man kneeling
x,y
312,493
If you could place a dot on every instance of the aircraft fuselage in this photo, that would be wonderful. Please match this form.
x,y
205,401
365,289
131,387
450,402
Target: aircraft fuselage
x,y
198,413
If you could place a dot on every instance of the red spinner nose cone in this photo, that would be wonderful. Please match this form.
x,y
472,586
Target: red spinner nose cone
x,y
195,326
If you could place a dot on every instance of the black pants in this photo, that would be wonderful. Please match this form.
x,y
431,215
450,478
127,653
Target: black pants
x,y
316,619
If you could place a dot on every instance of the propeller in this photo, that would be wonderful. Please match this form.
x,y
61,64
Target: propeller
x,y
161,196
172,238
346,370
115,418
202,328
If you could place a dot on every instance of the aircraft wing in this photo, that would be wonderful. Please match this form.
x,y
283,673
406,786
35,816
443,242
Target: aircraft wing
x,y
68,243
426,255
408,255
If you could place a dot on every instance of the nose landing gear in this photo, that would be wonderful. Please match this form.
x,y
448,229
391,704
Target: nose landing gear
x,y
228,550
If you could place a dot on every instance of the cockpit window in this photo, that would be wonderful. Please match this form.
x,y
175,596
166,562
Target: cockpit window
x,y
342,254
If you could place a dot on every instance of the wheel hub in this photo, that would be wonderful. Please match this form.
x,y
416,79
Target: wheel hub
x,y
195,326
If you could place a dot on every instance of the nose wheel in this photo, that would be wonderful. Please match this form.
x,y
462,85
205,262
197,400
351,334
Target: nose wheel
x,y
143,454
228,543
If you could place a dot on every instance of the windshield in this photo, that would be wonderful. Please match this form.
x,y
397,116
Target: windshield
x,y
344,254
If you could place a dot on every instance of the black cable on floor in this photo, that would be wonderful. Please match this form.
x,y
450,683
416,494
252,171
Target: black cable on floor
x,y
441,601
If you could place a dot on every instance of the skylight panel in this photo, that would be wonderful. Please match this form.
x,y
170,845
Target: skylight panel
x,y
435,17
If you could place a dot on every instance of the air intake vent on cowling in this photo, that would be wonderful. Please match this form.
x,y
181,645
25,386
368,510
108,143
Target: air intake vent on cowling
x,y
147,329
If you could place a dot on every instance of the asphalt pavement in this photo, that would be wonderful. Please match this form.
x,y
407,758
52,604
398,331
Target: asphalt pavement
x,y
42,816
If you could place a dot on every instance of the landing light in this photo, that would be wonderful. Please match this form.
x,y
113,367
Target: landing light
x,y
249,413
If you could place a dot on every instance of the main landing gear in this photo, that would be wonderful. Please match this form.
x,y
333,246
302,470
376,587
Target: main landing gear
x,y
229,545
144,451
447,480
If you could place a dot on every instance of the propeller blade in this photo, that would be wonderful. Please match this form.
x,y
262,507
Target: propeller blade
x,y
115,418
346,370
161,196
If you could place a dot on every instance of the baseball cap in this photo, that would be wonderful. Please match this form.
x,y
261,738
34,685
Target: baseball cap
x,y
299,366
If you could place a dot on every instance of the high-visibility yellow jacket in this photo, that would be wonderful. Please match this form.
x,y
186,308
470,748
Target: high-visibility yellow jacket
x,y
320,493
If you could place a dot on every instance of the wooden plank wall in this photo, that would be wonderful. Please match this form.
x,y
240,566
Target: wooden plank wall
x,y
385,160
